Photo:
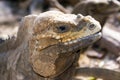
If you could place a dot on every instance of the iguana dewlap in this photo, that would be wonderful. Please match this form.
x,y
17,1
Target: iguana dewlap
x,y
47,45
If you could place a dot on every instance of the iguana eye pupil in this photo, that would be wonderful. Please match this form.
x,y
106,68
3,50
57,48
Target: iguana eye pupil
x,y
62,28
91,26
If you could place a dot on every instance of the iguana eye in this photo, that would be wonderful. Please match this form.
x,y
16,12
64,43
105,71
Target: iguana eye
x,y
91,26
61,29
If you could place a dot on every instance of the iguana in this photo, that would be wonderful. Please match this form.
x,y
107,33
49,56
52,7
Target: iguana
x,y
47,47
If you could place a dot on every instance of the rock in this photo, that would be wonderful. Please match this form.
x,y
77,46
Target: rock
x,y
5,12
94,54
111,34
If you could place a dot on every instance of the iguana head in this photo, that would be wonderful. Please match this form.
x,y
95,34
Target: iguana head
x,y
55,39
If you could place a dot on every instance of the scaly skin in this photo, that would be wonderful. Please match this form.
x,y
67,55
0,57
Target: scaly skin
x,y
64,34
47,46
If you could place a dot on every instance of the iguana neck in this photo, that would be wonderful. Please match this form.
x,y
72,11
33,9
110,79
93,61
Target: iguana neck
x,y
18,65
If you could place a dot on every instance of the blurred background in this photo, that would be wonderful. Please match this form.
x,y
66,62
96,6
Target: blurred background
x,y
104,53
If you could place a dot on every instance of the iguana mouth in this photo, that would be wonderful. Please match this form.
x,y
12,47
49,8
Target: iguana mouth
x,y
79,43
80,39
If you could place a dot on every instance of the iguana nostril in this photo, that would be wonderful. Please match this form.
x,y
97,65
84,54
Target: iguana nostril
x,y
91,26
